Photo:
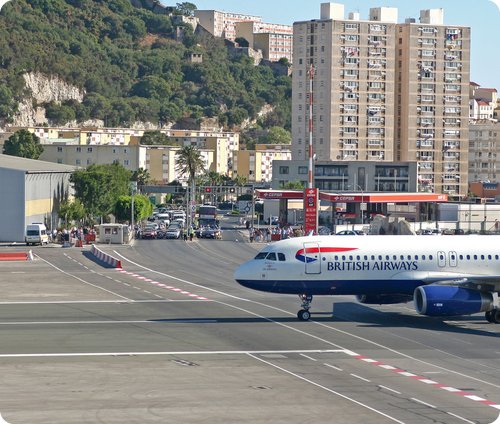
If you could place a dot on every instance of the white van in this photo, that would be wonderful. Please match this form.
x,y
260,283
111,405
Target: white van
x,y
36,233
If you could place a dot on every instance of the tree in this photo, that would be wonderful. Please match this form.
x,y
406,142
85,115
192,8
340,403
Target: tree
x,y
189,162
186,8
157,137
142,177
293,185
142,208
72,211
242,41
23,144
277,135
99,186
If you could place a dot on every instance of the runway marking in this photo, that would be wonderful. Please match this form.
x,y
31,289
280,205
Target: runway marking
x,y
429,382
423,403
162,353
361,378
333,366
152,321
326,389
158,284
460,418
389,389
347,351
308,357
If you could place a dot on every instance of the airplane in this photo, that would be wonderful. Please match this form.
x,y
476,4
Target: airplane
x,y
443,275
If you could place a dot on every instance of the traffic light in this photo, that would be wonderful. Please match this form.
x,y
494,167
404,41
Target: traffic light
x,y
208,189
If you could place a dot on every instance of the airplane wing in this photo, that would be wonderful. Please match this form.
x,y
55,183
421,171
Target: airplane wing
x,y
487,283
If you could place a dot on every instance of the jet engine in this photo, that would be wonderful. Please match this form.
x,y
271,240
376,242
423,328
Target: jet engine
x,y
382,299
434,300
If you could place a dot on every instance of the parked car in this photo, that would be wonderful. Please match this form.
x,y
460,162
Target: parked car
x,y
351,233
149,231
173,232
209,232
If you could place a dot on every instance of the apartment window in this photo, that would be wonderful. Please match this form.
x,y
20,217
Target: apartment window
x,y
351,37
89,161
303,170
78,162
126,162
285,169
59,149
78,150
89,149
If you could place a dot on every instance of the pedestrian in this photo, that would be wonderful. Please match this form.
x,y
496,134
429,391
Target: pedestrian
x,y
184,234
191,234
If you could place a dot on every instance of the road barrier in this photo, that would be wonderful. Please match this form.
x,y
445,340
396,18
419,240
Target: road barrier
x,y
99,254
16,256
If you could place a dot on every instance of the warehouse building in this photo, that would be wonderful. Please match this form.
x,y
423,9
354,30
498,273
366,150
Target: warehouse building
x,y
31,191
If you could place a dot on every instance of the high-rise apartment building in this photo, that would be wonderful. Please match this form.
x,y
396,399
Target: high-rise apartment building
x,y
384,91
433,62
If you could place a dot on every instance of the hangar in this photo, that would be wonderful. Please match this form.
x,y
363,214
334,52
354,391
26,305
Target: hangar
x,y
31,191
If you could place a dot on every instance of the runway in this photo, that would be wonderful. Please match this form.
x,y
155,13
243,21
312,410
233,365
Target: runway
x,y
172,338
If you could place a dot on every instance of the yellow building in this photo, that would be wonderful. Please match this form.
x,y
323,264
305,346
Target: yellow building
x,y
257,165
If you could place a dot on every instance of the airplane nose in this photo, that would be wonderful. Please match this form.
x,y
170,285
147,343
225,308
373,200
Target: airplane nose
x,y
241,273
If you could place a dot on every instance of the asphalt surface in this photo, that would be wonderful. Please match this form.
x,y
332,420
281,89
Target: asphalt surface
x,y
172,338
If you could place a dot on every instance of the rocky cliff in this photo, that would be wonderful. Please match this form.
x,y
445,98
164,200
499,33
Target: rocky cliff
x,y
43,89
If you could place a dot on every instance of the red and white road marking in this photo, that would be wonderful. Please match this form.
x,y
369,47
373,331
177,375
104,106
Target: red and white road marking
x,y
163,286
424,380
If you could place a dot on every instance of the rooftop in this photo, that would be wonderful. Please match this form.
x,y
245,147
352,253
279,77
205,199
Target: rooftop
x,y
32,166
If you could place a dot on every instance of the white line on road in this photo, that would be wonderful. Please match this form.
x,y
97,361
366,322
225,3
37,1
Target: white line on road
x,y
361,378
389,389
460,418
326,388
423,403
333,366
308,357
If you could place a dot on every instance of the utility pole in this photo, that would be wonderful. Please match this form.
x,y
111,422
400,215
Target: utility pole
x,y
311,154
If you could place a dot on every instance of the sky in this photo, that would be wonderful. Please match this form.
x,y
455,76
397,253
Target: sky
x,y
483,16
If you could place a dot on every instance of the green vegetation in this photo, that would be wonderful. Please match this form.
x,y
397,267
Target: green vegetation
x,y
142,208
99,187
130,66
23,144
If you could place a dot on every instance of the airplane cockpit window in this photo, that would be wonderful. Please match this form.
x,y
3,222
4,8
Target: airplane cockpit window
x,y
261,255
271,256
281,257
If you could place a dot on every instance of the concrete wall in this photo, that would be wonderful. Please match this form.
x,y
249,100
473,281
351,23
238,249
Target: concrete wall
x,y
12,193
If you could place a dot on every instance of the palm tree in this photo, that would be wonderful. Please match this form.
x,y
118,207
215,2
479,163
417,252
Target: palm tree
x,y
190,162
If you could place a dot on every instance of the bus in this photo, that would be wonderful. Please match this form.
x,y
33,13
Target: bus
x,y
207,215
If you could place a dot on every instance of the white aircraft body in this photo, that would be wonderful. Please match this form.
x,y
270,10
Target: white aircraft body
x,y
443,275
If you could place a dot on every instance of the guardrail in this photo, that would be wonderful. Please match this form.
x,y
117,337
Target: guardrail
x,y
110,260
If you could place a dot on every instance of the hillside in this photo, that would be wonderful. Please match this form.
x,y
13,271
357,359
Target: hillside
x,y
124,59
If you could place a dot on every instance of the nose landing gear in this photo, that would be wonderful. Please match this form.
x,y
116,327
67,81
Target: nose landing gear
x,y
304,314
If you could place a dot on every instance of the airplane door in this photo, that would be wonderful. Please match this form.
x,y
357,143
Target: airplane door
x,y
441,259
453,258
312,258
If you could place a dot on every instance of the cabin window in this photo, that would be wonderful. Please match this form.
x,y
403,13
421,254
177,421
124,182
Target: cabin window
x,y
409,257
336,258
351,257
379,257
343,257
358,258
366,257
387,257
489,257
394,257
468,257
373,257
423,257
482,257
461,257
496,257
261,255
281,257
402,257
431,257
475,257
271,256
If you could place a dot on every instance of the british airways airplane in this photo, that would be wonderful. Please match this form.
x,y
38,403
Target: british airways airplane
x,y
443,275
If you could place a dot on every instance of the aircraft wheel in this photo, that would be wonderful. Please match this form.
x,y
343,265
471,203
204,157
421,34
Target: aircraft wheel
x,y
495,316
489,316
303,315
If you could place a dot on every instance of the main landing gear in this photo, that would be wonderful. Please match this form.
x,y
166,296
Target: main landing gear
x,y
304,314
493,316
